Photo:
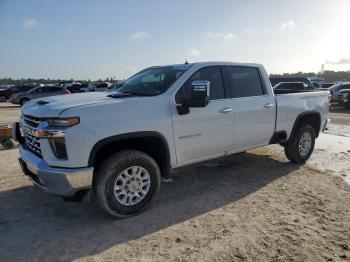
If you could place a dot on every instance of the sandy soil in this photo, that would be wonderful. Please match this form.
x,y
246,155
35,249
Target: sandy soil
x,y
254,206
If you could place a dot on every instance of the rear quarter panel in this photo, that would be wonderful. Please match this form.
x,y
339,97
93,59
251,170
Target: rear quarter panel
x,y
290,106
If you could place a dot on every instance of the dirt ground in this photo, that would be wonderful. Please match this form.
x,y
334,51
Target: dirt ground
x,y
254,206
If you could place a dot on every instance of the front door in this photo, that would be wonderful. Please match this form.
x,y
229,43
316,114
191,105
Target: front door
x,y
207,131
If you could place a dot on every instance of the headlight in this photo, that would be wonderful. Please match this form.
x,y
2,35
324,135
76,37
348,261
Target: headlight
x,y
63,122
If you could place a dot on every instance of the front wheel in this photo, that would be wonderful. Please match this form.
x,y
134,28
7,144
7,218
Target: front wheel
x,y
126,183
301,144
3,99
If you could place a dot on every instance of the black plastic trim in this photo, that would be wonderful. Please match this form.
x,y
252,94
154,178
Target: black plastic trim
x,y
121,137
310,112
278,137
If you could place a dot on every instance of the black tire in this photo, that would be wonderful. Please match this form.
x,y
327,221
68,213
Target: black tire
x,y
23,101
291,149
7,144
106,176
3,99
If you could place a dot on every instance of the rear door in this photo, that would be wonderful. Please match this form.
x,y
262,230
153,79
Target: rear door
x,y
254,108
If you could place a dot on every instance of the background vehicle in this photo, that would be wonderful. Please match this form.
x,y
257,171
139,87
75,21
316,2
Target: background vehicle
x,y
317,82
38,92
291,87
345,97
66,84
90,87
75,88
5,94
101,86
120,144
306,81
327,85
114,86
335,90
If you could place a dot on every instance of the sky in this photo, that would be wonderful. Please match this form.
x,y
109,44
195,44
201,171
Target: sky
x,y
91,39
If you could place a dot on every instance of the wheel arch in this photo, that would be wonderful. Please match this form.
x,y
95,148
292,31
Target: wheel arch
x,y
312,118
149,142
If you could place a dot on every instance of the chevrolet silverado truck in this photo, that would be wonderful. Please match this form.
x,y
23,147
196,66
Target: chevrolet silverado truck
x,y
119,145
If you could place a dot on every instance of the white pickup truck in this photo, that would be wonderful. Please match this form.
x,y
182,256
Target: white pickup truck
x,y
119,145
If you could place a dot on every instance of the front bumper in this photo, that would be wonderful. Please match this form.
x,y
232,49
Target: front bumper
x,y
58,181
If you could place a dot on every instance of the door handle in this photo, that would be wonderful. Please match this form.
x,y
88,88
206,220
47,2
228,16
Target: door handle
x,y
225,110
268,105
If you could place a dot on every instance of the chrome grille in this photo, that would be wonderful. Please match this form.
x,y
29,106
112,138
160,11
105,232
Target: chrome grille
x,y
31,140
31,121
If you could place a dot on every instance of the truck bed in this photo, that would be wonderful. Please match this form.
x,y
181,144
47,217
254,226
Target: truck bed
x,y
291,91
291,105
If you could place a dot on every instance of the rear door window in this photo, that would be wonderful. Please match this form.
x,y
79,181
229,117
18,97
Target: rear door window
x,y
245,81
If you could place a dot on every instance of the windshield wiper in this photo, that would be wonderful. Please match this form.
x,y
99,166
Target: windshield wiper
x,y
124,94
137,94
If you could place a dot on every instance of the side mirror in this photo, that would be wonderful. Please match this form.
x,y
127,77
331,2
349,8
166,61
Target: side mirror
x,y
199,94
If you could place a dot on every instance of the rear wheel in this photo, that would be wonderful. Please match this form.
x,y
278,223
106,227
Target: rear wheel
x,y
3,99
126,183
301,145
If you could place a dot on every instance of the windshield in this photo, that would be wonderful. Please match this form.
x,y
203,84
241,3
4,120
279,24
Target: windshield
x,y
152,81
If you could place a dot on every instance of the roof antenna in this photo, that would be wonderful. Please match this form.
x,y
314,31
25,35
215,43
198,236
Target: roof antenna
x,y
187,61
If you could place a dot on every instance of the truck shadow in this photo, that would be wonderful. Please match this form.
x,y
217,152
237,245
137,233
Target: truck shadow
x,y
43,227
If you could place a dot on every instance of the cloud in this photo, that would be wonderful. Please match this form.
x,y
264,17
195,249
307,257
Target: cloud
x,y
139,36
228,37
250,31
341,61
288,25
194,53
29,23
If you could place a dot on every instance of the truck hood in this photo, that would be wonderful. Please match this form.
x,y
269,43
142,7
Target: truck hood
x,y
53,106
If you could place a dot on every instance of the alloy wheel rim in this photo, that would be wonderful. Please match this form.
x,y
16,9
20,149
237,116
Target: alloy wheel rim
x,y
132,185
305,144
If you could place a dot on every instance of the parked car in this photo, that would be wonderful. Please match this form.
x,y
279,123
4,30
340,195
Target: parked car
x,y
291,86
335,90
38,92
327,85
66,84
120,144
317,82
306,81
114,86
75,88
345,97
101,86
5,94
90,87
